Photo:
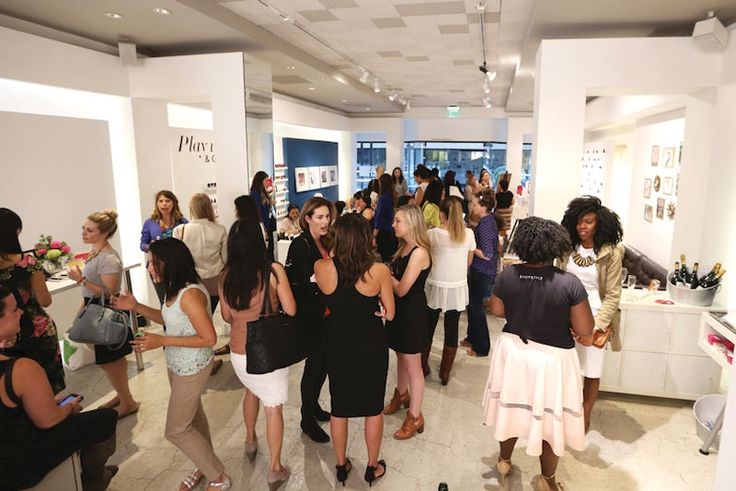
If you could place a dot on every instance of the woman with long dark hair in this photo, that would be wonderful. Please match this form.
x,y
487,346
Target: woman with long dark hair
x,y
356,288
312,245
261,190
452,187
362,205
596,259
242,289
422,176
38,434
165,216
430,204
22,275
188,341
383,219
534,391
401,188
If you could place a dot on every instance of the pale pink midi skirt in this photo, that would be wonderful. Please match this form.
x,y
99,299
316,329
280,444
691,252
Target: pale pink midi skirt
x,y
535,393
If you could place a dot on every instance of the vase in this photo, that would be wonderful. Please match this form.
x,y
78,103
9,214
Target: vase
x,y
51,268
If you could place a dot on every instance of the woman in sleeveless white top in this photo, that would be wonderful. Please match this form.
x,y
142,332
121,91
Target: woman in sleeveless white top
x,y
189,338
447,285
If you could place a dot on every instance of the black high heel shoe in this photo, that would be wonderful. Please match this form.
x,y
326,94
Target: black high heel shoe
x,y
370,472
343,471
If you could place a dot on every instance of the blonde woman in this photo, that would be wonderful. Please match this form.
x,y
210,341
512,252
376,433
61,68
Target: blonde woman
x,y
453,246
207,241
407,333
103,272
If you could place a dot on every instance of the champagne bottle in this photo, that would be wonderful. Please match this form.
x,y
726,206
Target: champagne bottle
x,y
684,272
715,280
711,275
675,278
694,277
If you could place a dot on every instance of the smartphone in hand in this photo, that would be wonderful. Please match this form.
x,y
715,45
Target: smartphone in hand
x,y
69,399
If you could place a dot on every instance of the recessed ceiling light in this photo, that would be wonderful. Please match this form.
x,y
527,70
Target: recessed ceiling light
x,y
162,11
344,100
290,67
311,88
367,108
113,15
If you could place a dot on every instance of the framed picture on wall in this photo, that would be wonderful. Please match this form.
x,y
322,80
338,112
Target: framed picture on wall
x,y
324,176
648,212
647,188
314,178
655,155
668,156
333,175
667,185
301,179
660,208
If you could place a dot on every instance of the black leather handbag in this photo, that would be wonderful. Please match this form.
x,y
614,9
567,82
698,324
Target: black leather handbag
x,y
275,340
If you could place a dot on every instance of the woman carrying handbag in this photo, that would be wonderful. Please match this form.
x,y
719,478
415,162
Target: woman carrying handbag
x,y
243,289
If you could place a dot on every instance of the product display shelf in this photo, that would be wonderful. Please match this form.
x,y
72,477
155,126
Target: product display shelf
x,y
710,324
281,190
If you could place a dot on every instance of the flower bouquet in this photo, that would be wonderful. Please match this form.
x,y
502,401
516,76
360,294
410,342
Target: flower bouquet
x,y
52,254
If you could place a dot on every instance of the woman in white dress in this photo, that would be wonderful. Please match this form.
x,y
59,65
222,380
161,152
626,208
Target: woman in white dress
x,y
447,286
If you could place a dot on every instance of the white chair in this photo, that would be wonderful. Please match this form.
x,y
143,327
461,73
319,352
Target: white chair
x,y
66,476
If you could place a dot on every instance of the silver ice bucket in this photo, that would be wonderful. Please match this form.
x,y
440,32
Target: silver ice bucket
x,y
702,297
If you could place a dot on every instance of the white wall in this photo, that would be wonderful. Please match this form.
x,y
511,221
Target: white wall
x,y
569,70
639,232
518,129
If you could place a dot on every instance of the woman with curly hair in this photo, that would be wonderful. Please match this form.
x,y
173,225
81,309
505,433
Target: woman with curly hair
x,y
534,389
596,258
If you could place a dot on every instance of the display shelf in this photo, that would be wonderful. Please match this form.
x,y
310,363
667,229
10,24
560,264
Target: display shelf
x,y
711,325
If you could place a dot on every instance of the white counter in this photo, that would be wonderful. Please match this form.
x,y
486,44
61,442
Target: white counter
x,y
661,356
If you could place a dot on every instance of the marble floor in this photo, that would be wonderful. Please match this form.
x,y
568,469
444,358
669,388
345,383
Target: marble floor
x,y
636,443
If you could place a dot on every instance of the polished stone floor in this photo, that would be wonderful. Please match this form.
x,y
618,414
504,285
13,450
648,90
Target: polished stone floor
x,y
636,443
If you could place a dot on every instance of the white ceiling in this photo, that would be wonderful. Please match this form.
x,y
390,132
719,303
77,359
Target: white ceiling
x,y
427,50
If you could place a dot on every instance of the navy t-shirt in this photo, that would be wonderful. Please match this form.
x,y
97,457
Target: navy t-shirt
x,y
537,303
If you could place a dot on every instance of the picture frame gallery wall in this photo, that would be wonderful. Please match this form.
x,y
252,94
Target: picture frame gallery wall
x,y
312,168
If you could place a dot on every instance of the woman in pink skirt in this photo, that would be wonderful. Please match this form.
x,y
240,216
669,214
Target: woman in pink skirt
x,y
534,390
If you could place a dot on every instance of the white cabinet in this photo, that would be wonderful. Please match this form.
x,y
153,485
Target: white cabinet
x,y
660,355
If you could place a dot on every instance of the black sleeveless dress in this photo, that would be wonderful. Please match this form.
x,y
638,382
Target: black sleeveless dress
x,y
407,333
357,353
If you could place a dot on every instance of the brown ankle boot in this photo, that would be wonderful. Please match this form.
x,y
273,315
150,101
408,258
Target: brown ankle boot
x,y
397,401
425,361
410,427
448,357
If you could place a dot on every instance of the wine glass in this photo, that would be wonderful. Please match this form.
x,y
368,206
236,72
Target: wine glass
x,y
631,281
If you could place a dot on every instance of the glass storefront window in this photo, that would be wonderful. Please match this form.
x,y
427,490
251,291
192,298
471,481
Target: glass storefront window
x,y
370,154
457,156
526,164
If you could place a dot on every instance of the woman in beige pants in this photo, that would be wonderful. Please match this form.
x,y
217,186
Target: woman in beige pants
x,y
189,339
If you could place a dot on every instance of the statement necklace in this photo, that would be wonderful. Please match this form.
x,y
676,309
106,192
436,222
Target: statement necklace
x,y
583,262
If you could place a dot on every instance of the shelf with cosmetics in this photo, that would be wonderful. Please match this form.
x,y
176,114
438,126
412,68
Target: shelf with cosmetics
x,y
281,190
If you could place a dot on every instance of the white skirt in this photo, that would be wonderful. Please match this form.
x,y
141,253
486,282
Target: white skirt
x,y
271,388
446,298
534,392
591,360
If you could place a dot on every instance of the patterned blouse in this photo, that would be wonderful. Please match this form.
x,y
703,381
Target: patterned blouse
x,y
37,339
181,360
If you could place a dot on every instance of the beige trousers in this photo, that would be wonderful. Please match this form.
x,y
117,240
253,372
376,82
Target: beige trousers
x,y
186,424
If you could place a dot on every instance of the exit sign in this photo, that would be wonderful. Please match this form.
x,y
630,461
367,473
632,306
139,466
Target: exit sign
x,y
453,111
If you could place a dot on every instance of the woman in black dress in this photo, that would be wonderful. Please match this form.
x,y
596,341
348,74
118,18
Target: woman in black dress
x,y
357,293
408,331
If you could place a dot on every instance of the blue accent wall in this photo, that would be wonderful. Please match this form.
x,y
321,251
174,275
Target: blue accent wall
x,y
308,153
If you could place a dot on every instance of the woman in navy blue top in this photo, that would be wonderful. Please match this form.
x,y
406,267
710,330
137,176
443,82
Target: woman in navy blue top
x,y
165,217
383,219
260,189
481,273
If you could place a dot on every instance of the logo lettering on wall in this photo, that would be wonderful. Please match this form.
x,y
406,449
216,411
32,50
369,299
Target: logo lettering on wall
x,y
205,150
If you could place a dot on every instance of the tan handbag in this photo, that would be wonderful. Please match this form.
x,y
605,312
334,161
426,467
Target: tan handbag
x,y
600,338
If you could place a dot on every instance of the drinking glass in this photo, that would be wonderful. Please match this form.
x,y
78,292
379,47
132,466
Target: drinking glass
x,y
631,281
